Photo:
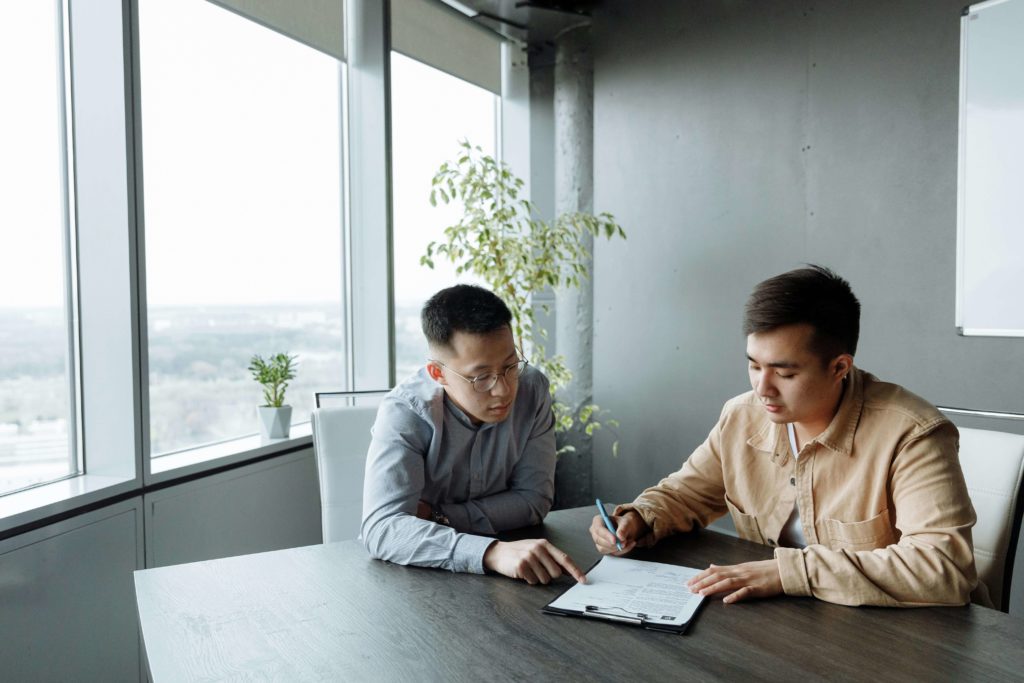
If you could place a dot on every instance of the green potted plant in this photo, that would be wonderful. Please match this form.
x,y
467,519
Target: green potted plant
x,y
273,374
500,240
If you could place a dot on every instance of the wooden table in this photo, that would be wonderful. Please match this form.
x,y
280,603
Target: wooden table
x,y
329,612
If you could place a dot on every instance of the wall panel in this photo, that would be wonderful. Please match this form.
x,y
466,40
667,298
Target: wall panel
x,y
68,605
267,506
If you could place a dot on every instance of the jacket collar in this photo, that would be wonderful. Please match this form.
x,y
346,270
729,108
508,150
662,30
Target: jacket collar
x,y
772,438
839,435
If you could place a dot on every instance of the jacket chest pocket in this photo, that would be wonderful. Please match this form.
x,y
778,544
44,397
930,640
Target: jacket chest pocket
x,y
746,525
876,532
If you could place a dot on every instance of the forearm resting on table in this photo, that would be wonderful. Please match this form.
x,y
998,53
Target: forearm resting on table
x,y
512,509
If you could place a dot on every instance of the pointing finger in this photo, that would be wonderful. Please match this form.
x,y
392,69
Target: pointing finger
x,y
570,566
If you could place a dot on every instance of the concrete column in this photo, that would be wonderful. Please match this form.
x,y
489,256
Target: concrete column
x,y
574,191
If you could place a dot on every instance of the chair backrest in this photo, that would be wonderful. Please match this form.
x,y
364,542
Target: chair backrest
x,y
993,463
341,438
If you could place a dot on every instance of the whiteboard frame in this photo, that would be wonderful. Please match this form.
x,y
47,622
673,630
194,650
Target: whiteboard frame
x,y
961,206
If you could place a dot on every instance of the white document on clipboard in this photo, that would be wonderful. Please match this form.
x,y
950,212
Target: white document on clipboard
x,y
649,594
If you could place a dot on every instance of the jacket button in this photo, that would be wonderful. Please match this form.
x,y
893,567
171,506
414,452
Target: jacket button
x,y
792,480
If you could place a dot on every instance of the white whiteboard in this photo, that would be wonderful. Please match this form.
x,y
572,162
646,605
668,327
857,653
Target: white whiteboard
x,y
990,198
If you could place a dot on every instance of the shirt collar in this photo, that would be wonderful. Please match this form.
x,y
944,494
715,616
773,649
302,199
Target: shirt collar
x,y
460,415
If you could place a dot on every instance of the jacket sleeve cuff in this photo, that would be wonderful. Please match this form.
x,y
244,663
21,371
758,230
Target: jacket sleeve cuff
x,y
649,516
468,554
793,571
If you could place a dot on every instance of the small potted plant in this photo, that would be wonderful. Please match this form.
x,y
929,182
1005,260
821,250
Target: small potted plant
x,y
274,374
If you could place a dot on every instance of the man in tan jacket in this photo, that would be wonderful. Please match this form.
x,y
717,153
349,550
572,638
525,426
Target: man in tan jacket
x,y
855,482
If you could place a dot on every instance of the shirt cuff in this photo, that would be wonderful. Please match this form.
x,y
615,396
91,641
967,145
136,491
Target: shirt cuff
x,y
468,554
793,571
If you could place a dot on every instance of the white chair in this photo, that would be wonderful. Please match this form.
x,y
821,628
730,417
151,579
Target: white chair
x,y
993,463
341,438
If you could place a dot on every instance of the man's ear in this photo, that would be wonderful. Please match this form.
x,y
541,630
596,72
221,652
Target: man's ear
x,y
434,370
841,365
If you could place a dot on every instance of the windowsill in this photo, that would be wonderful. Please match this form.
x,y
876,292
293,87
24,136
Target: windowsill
x,y
184,463
31,505
35,504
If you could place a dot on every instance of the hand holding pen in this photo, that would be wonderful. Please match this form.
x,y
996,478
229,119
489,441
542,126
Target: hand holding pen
x,y
617,535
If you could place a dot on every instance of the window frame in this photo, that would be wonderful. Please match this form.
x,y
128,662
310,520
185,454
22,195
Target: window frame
x,y
70,248
68,254
100,294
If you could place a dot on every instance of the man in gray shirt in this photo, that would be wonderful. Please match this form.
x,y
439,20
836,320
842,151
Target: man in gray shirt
x,y
465,449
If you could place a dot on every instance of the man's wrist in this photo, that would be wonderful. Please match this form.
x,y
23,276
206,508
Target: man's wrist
x,y
488,558
644,535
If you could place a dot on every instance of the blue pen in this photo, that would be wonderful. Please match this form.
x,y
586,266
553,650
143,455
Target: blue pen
x,y
608,523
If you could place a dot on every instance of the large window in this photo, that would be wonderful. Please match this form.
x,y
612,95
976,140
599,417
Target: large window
x,y
192,213
431,112
241,144
37,421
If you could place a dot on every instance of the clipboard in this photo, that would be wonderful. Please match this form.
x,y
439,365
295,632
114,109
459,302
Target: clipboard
x,y
620,590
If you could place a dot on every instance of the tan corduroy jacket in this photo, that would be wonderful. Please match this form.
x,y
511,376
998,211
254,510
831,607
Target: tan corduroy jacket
x,y
881,496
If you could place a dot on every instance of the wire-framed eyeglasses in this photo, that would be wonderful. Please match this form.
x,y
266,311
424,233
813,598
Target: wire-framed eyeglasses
x,y
484,383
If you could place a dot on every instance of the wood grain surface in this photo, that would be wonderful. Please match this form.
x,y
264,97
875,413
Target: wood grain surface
x,y
330,613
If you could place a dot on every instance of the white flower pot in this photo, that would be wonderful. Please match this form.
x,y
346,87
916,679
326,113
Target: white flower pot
x,y
275,422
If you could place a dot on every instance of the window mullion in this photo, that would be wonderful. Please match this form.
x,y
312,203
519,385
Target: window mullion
x,y
69,250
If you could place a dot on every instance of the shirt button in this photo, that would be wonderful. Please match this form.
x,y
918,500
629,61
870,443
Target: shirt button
x,y
792,480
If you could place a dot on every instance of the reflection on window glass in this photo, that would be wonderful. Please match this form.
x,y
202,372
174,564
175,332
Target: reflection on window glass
x,y
35,391
431,112
242,169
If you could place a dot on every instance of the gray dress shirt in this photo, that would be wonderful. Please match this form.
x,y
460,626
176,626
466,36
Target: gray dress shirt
x,y
486,478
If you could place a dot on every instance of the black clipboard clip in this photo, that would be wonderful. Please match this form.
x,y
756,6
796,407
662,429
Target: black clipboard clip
x,y
620,614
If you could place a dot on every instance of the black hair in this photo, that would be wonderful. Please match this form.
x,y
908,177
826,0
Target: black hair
x,y
815,296
462,308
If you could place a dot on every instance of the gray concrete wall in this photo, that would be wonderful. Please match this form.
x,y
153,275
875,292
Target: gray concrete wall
x,y
736,140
